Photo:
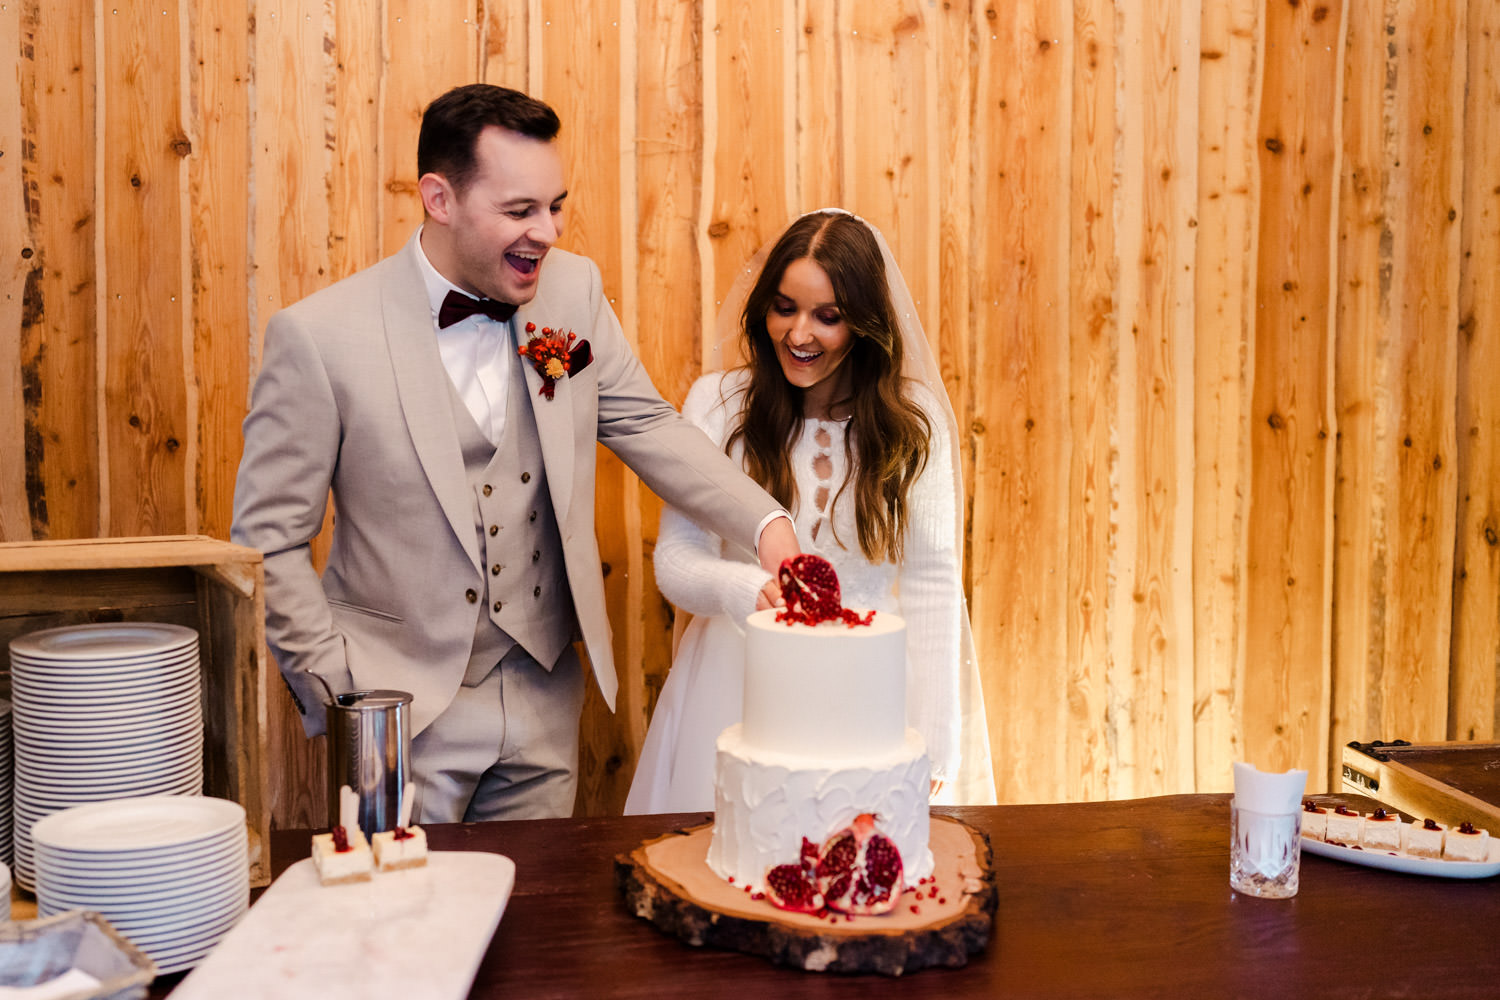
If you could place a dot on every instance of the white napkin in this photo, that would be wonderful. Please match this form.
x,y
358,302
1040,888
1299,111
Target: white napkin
x,y
348,809
1267,792
1266,838
408,799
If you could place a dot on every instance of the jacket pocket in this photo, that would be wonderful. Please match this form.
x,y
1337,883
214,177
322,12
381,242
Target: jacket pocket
x,y
371,612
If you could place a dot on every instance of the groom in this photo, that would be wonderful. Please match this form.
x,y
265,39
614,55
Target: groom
x,y
451,396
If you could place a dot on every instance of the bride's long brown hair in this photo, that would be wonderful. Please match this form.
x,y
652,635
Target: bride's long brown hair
x,y
887,440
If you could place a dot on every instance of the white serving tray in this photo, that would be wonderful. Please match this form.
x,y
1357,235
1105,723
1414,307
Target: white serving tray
x,y
1407,864
421,932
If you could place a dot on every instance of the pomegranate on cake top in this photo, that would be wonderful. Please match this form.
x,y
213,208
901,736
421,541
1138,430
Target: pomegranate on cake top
x,y
810,588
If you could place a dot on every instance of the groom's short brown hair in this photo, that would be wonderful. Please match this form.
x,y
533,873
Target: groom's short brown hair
x,y
451,126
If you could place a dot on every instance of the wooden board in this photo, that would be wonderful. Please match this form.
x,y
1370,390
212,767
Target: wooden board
x,y
1446,782
668,882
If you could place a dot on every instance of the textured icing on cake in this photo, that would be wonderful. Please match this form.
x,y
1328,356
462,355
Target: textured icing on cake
x,y
765,803
828,691
824,738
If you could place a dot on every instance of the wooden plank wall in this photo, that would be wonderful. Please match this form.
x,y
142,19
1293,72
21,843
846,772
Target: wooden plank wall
x,y
1215,287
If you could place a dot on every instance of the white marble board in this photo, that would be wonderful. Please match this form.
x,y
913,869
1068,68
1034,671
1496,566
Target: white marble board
x,y
415,933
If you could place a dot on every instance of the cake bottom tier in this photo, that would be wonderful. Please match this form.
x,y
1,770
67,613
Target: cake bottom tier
x,y
765,803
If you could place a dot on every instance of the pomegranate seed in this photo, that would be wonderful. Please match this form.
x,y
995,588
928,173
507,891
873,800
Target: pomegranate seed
x,y
943,901
916,909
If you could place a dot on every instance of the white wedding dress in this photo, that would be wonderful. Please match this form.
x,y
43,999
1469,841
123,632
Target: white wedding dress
x,y
718,583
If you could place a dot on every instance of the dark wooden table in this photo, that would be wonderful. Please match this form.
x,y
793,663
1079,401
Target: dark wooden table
x,y
1108,899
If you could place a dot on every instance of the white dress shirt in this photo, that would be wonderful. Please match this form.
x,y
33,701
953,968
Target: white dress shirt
x,y
477,352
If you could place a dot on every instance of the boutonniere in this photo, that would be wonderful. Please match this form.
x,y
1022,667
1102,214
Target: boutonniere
x,y
554,355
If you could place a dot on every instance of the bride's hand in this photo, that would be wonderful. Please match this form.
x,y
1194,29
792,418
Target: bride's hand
x,y
769,596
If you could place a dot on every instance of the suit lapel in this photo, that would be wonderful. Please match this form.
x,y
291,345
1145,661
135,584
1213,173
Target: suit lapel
x,y
554,417
424,390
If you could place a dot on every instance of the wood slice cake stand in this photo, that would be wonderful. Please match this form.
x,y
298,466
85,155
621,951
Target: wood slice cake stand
x,y
668,882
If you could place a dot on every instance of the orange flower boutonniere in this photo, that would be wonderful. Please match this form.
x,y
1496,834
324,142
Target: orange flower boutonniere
x,y
554,355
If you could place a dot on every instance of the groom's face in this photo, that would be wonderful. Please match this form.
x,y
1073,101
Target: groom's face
x,y
502,225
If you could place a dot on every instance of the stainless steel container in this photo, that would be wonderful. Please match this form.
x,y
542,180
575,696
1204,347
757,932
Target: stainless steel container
x,y
369,749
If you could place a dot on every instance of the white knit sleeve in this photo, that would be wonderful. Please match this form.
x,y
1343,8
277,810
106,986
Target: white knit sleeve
x,y
691,570
931,596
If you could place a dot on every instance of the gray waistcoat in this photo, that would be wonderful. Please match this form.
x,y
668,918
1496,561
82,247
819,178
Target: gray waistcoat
x,y
526,599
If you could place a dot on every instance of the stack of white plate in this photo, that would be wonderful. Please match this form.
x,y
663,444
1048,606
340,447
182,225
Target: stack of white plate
x,y
171,873
7,790
102,712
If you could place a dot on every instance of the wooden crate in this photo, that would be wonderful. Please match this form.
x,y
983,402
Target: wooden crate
x,y
1448,783
209,585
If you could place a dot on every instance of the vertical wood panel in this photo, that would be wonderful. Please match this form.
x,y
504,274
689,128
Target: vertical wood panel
x,y
145,426
1430,139
58,351
887,50
1365,238
954,80
1287,629
1093,332
1152,657
1225,319
219,180
1020,417
668,293
435,44
1472,699
506,58
22,267
359,157
820,171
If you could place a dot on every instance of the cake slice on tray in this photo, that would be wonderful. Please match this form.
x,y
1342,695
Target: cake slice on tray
x,y
1345,827
1423,839
342,855
1314,820
403,847
1382,831
1466,843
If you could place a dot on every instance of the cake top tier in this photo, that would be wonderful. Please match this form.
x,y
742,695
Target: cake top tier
x,y
828,691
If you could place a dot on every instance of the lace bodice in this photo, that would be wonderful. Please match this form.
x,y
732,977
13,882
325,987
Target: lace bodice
x,y
701,574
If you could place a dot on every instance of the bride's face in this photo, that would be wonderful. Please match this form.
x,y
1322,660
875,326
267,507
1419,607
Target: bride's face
x,y
809,334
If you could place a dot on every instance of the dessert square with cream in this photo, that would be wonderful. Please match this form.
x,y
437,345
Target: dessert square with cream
x,y
342,857
1345,826
403,847
1382,831
1314,821
1465,843
1422,839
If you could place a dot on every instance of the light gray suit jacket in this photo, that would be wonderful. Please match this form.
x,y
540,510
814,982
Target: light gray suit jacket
x,y
353,395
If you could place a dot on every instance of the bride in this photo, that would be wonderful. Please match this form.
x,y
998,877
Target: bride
x,y
840,413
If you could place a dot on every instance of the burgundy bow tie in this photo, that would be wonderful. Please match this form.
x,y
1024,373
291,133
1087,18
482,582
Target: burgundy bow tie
x,y
458,306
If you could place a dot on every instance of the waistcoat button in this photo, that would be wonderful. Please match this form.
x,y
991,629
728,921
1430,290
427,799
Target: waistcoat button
x,y
532,517
525,477
497,605
494,528
495,570
471,596
537,592
488,489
